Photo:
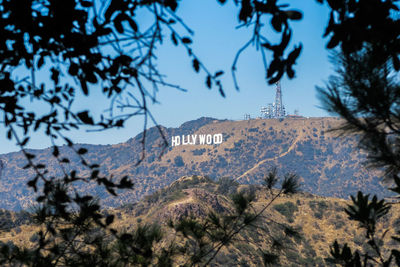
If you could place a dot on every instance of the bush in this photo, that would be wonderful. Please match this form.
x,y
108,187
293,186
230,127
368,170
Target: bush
x,y
287,209
198,152
318,207
179,161
227,186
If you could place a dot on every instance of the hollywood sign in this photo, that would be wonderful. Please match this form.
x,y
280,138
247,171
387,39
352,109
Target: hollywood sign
x,y
194,139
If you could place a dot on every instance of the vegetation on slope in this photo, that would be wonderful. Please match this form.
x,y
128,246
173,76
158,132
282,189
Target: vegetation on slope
x,y
305,224
329,165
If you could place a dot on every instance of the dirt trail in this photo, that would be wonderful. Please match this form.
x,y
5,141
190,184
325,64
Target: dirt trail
x,y
270,159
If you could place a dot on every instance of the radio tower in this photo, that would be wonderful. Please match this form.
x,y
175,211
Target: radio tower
x,y
279,108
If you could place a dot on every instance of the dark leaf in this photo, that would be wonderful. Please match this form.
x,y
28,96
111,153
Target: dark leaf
x,y
73,69
208,81
172,4
221,91
333,42
246,12
290,72
133,24
118,25
294,54
40,166
396,63
186,40
85,118
56,153
114,6
173,38
111,191
125,183
84,86
119,123
32,183
196,65
94,174
25,141
55,74
40,62
330,26
27,166
29,156
69,142
82,151
218,73
276,22
64,160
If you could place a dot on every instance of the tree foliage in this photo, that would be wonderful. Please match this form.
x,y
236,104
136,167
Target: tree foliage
x,y
365,92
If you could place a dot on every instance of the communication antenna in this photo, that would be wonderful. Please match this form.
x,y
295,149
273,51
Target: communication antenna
x,y
279,109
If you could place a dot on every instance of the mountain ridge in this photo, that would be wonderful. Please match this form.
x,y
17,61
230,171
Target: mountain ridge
x,y
327,164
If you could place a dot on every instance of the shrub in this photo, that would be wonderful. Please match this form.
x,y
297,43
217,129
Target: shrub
x,y
179,161
198,152
318,207
227,186
287,209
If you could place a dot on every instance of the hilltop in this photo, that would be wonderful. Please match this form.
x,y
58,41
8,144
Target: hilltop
x,y
327,164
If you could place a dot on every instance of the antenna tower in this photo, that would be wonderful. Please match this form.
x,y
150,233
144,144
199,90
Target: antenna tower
x,y
279,109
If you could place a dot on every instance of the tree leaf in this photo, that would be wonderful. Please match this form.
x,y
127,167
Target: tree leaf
x,y
208,81
82,151
85,118
218,73
173,38
196,65
186,40
55,153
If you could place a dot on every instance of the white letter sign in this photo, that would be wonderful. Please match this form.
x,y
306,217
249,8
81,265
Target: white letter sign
x,y
209,139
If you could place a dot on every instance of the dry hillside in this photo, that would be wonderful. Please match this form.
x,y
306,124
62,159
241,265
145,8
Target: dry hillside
x,y
328,165
319,221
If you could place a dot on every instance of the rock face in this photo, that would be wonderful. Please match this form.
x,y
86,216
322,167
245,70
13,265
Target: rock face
x,y
328,165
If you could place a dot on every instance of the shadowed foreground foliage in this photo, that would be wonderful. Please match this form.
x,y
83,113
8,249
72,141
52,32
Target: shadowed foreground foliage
x,y
366,93
86,237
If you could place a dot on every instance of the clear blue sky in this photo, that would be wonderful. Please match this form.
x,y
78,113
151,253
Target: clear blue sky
x,y
216,41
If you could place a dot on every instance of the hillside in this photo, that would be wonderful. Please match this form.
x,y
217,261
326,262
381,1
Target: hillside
x,y
328,165
318,220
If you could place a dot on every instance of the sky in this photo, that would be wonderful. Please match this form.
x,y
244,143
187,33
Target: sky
x,y
216,41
